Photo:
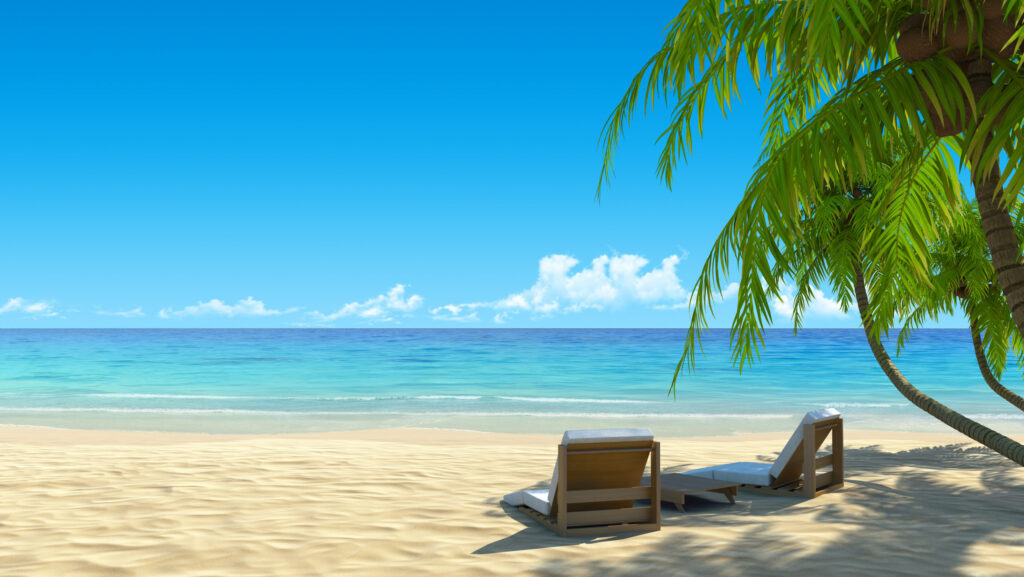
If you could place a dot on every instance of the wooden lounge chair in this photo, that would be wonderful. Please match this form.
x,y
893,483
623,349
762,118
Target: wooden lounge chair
x,y
596,480
795,472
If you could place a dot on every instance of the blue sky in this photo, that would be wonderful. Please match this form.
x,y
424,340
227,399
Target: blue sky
x,y
334,164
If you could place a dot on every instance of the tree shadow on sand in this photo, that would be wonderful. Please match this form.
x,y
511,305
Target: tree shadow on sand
x,y
900,513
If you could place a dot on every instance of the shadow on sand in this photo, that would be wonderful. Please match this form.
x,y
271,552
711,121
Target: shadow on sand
x,y
901,513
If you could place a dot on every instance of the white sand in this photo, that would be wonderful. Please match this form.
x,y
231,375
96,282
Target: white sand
x,y
424,502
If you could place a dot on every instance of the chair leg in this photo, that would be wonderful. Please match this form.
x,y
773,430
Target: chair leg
x,y
837,454
561,489
656,484
810,453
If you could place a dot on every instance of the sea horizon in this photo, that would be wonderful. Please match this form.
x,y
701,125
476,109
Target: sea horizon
x,y
287,380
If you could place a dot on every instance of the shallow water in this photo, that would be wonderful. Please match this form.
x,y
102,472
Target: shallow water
x,y
514,380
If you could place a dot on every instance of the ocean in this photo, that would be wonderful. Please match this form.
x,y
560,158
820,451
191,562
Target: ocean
x,y
502,380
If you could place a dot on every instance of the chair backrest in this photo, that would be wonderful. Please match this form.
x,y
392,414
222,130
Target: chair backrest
x,y
603,459
789,466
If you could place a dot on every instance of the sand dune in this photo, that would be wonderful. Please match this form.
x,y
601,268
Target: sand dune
x,y
417,502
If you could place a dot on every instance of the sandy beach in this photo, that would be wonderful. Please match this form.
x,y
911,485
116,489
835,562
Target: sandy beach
x,y
426,502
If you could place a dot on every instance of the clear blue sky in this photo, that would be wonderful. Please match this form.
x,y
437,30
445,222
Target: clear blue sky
x,y
168,162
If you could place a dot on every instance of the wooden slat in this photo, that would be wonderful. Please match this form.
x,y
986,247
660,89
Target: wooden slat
x,y
823,461
605,445
609,516
612,529
823,480
598,495
790,489
829,489
596,451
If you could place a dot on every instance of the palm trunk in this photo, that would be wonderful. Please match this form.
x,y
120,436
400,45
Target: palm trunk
x,y
1002,241
986,372
1003,445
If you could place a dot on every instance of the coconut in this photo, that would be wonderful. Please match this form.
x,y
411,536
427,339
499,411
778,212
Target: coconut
x,y
943,123
995,35
948,123
989,8
961,39
992,10
914,42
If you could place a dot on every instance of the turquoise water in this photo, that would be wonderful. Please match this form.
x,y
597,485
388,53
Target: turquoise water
x,y
297,380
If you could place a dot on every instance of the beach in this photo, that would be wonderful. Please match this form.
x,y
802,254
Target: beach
x,y
427,502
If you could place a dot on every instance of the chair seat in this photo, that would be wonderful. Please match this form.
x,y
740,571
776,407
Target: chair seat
x,y
583,436
536,500
744,473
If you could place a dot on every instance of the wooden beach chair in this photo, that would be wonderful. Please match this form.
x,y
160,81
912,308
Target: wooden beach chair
x,y
596,480
795,472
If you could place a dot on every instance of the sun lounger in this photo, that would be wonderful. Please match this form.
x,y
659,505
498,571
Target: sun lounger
x,y
596,481
795,472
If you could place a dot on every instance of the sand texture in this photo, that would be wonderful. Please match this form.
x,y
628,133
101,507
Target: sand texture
x,y
421,502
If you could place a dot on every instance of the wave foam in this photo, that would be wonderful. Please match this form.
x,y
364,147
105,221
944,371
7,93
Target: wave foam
x,y
865,405
161,396
998,417
569,400
280,398
172,411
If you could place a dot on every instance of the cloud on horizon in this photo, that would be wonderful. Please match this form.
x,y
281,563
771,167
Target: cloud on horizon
x,y
131,314
35,309
377,309
457,313
820,305
730,290
608,282
247,307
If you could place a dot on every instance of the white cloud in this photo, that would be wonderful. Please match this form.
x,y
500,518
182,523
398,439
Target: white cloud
x,y
248,307
458,313
36,309
730,290
608,282
131,314
379,308
820,305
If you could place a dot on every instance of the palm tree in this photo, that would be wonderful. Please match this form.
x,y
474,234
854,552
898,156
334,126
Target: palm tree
x,y
999,443
962,274
986,372
847,81
829,251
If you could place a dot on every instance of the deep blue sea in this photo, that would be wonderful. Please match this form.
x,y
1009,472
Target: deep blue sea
x,y
298,380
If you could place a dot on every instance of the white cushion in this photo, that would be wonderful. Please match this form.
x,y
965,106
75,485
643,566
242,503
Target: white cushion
x,y
536,500
580,436
706,472
514,499
798,435
746,473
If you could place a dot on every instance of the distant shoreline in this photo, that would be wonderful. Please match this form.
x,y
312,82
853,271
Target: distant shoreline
x,y
43,435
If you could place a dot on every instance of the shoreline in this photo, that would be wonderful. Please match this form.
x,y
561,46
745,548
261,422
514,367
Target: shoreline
x,y
47,435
